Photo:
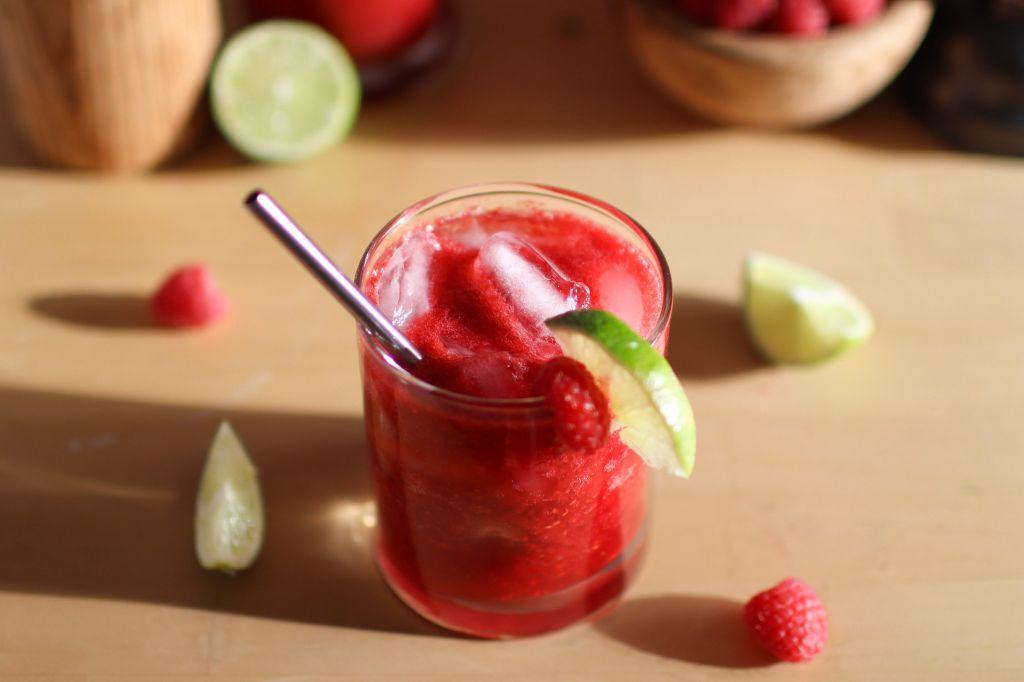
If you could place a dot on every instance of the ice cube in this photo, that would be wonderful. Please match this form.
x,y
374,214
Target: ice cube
x,y
473,235
530,283
491,374
404,286
618,292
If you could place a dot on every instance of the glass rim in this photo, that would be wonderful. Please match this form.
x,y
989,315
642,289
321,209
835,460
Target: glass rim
x,y
499,188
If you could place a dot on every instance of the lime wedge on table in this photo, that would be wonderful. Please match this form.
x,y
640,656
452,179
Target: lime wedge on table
x,y
284,90
798,315
644,394
229,508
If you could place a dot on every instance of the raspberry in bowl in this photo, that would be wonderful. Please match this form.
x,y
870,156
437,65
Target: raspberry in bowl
x,y
786,17
774,63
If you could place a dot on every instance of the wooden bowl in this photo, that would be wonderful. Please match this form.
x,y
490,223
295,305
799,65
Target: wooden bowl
x,y
108,84
771,80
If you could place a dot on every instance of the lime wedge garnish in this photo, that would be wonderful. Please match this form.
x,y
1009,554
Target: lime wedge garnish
x,y
229,508
647,402
284,90
798,315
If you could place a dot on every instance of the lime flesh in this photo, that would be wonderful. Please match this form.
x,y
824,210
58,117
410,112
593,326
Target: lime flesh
x,y
229,518
283,91
647,402
796,315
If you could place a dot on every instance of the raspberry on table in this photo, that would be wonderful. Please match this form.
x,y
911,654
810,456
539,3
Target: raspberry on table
x,y
740,15
582,416
801,18
788,620
189,297
854,11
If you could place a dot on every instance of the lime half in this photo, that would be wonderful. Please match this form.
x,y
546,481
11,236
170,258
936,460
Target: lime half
x,y
647,402
229,508
283,91
798,315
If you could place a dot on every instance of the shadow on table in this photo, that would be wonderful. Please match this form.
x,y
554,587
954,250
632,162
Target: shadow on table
x,y
693,628
884,124
708,340
14,152
101,310
97,495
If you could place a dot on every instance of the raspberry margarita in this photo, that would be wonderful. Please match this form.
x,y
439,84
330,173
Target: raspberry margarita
x,y
487,524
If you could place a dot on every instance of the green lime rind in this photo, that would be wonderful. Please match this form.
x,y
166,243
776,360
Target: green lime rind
x,y
797,315
283,91
647,401
229,518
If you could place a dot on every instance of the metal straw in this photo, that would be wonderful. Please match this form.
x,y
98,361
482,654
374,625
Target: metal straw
x,y
292,236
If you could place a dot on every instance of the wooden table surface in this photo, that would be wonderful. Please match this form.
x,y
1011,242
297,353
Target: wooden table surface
x,y
891,480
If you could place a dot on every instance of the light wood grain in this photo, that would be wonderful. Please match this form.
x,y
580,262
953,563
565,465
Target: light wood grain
x,y
889,480
108,84
771,80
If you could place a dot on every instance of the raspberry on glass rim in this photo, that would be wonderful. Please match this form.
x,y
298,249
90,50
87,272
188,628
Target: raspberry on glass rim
x,y
582,419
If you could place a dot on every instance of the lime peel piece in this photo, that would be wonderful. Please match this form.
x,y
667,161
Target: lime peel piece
x,y
797,315
229,517
647,402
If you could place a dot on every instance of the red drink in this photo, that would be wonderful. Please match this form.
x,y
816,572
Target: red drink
x,y
486,524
